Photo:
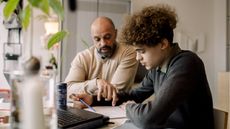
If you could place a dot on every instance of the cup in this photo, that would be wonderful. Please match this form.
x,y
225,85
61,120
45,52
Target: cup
x,y
62,96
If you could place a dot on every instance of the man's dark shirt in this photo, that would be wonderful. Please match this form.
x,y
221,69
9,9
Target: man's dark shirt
x,y
182,96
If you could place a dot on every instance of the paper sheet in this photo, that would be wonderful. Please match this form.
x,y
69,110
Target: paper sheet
x,y
127,125
111,112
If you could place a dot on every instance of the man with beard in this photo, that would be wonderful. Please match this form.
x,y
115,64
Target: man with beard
x,y
104,68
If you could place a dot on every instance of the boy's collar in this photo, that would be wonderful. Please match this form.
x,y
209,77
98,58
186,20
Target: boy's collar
x,y
175,50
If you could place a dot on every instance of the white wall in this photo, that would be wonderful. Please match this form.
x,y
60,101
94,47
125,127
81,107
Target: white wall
x,y
33,36
220,36
201,16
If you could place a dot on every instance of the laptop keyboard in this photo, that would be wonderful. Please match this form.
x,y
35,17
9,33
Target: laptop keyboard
x,y
66,119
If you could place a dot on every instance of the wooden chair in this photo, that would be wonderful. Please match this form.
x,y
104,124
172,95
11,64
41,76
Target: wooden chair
x,y
222,101
220,119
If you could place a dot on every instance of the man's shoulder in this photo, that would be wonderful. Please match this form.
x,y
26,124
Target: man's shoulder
x,y
187,58
187,55
124,51
88,53
125,48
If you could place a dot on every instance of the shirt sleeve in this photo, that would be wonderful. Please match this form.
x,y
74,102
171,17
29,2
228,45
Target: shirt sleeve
x,y
75,79
123,77
180,83
144,90
139,94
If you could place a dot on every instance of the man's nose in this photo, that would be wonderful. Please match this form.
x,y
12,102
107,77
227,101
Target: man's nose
x,y
103,42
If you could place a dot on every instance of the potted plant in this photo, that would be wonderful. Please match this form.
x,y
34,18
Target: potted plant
x,y
46,6
48,9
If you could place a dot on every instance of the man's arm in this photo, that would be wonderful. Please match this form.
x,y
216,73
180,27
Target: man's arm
x,y
76,78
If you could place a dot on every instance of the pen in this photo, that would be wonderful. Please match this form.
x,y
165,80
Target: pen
x,y
83,102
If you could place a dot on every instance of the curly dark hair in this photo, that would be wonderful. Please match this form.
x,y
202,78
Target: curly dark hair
x,y
149,26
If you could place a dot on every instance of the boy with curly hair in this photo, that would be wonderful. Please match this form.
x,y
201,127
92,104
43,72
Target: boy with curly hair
x,y
176,77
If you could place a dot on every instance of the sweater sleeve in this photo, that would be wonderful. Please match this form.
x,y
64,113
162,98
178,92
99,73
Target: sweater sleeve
x,y
180,83
76,78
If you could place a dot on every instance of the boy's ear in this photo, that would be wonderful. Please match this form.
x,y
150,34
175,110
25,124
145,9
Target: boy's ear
x,y
164,44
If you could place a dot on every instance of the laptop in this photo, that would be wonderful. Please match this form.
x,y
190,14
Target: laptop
x,y
73,118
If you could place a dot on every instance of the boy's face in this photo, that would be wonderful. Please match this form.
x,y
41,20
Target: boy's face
x,y
150,57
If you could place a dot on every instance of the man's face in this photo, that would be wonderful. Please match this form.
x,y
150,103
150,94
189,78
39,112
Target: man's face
x,y
150,57
104,38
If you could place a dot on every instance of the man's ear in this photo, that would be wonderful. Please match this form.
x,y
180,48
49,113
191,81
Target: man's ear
x,y
116,33
164,44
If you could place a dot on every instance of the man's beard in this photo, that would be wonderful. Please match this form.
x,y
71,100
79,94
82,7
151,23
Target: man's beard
x,y
109,53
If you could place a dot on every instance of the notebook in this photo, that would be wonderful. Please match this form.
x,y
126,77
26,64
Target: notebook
x,y
110,111
73,118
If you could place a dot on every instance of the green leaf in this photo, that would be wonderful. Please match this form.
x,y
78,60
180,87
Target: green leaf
x,y
1,1
11,5
57,8
44,6
25,16
41,4
35,3
56,38
53,61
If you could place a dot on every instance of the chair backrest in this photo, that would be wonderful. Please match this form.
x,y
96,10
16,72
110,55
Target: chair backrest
x,y
141,72
220,119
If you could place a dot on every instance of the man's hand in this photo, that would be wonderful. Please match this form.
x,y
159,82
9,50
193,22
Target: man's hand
x,y
85,97
107,91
